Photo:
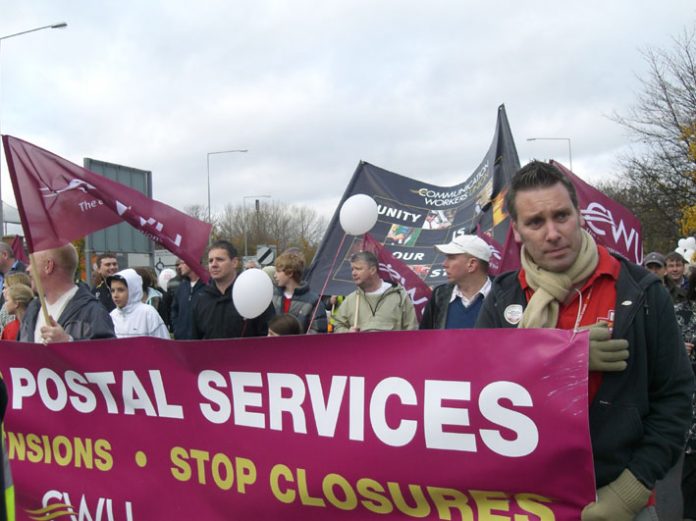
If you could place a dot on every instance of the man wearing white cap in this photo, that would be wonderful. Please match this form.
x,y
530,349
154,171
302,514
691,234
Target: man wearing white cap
x,y
456,305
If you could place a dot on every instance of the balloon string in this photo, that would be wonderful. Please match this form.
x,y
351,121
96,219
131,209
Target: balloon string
x,y
326,282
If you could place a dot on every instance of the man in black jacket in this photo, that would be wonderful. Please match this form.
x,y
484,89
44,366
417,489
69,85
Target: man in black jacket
x,y
640,382
182,303
214,312
107,265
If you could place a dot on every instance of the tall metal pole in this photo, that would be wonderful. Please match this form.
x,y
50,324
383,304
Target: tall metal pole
x,y
570,151
60,25
244,198
208,162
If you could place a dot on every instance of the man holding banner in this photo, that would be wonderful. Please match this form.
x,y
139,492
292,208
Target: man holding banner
x,y
375,305
73,312
640,381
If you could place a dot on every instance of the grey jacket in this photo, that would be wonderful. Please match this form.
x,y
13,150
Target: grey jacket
x,y
84,318
302,306
390,311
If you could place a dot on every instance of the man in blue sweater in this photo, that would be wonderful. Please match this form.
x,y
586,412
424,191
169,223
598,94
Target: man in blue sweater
x,y
456,305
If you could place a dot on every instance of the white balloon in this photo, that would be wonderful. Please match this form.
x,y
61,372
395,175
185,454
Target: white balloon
x,y
689,255
358,214
683,252
252,293
690,243
681,244
164,277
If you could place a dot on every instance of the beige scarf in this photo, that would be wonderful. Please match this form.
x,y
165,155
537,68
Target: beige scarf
x,y
550,289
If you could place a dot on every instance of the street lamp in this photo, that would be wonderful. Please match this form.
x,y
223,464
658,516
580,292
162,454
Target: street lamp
x,y
60,25
208,161
244,198
570,152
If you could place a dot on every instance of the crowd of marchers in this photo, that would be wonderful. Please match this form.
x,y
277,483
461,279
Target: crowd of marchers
x,y
641,322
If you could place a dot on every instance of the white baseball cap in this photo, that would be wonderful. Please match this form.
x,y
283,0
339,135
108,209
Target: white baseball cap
x,y
469,244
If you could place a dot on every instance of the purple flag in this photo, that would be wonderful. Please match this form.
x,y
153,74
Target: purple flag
x,y
18,249
59,202
392,269
496,261
612,225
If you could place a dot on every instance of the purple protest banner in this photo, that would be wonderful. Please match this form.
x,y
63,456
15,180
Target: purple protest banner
x,y
611,224
460,424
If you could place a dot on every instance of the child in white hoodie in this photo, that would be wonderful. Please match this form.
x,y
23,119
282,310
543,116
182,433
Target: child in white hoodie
x,y
132,317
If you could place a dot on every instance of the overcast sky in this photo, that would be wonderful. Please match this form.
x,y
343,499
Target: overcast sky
x,y
313,87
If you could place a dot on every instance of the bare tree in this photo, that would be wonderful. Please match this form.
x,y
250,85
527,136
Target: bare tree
x,y
273,223
658,230
661,177
198,211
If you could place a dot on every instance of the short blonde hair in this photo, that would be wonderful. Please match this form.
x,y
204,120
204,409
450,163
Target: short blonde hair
x,y
17,277
21,294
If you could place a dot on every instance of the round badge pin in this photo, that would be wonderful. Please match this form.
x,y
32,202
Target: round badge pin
x,y
513,314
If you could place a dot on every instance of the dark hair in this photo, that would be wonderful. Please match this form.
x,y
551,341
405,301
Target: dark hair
x,y
674,257
105,255
536,174
225,245
365,256
284,324
149,277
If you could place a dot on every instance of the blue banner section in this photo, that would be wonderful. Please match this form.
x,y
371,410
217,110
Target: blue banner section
x,y
414,215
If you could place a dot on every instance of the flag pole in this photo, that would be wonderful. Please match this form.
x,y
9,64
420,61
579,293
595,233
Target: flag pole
x,y
326,282
39,288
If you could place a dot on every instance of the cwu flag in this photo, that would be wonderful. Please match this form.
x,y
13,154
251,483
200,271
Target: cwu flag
x,y
60,202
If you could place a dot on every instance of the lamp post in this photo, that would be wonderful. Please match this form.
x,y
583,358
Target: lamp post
x,y
244,198
570,151
60,25
208,161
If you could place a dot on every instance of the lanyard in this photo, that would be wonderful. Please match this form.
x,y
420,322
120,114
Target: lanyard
x,y
582,307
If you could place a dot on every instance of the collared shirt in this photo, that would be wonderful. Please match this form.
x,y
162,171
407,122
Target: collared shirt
x,y
485,289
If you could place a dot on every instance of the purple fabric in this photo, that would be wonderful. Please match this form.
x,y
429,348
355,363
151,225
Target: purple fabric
x,y
60,202
486,422
392,269
611,224
18,249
